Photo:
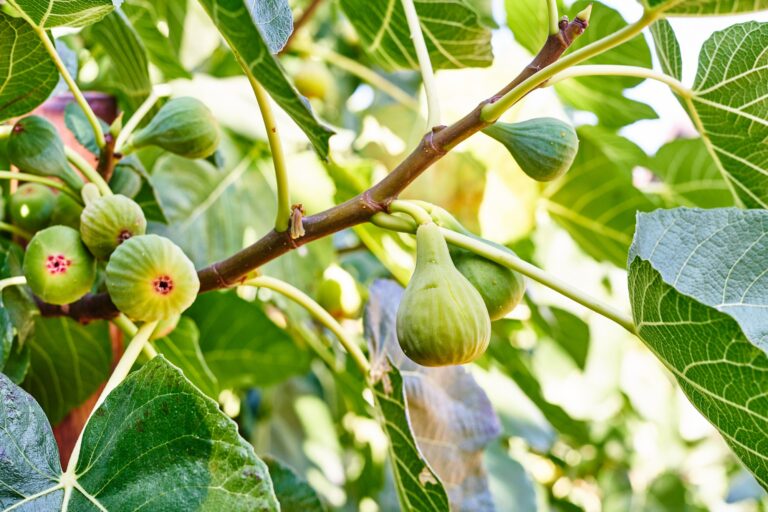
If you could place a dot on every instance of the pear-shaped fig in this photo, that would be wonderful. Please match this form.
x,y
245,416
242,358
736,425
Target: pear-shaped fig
x,y
150,278
36,148
442,319
31,207
313,80
108,221
58,267
544,148
500,287
184,126
66,212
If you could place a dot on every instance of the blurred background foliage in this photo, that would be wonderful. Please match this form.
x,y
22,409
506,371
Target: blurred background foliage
x,y
588,419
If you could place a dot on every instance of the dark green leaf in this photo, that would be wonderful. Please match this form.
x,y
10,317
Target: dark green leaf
x,y
78,124
667,48
529,22
162,49
57,13
241,345
17,364
454,33
234,21
569,331
698,291
293,492
182,348
68,363
30,458
27,73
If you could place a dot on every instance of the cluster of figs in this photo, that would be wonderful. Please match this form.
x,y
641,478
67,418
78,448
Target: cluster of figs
x,y
445,315
148,277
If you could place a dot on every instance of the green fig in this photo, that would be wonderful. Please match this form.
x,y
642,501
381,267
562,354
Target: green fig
x,y
150,278
58,267
184,126
36,148
500,287
31,207
338,293
442,319
66,211
313,80
108,221
544,148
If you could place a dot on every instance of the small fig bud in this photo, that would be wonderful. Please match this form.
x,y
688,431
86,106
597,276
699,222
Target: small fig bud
x,y
442,319
544,148
150,278
183,126
66,211
338,293
109,221
58,267
31,207
500,287
36,148
313,80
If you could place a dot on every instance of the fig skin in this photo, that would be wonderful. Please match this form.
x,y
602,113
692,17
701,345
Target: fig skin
x,y
150,278
184,126
58,267
501,288
66,211
108,221
313,80
442,319
32,206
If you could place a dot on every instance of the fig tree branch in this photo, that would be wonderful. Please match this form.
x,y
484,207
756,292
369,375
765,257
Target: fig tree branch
x,y
434,145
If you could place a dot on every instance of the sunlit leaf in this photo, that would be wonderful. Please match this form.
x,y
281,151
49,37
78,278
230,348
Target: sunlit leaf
x,y
667,48
705,7
162,49
57,13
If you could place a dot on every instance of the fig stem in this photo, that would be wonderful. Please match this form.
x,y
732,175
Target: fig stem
x,y
320,314
88,171
283,217
5,131
15,230
129,329
425,64
554,21
416,212
158,91
119,374
611,70
510,260
78,95
21,176
12,281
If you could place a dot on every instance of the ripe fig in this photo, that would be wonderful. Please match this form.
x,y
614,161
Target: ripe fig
x,y
150,278
442,319
108,221
313,80
500,287
31,207
544,148
66,211
58,267
35,147
184,126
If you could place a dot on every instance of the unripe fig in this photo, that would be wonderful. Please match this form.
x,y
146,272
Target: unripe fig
x,y
313,80
500,287
165,327
544,148
338,293
183,126
442,319
31,207
150,278
66,211
58,267
36,148
109,221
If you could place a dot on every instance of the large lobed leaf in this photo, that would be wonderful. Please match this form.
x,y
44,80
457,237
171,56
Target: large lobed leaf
x,y
248,41
57,13
729,107
447,412
705,7
699,296
453,31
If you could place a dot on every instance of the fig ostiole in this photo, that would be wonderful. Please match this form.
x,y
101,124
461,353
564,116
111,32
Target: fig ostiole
x,y
109,221
184,126
58,267
501,288
150,278
544,148
442,319
35,147
32,206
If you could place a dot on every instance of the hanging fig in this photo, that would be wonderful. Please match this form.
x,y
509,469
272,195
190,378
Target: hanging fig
x,y
35,147
338,293
66,211
442,319
500,287
184,126
544,148
313,80
150,278
31,207
58,267
108,221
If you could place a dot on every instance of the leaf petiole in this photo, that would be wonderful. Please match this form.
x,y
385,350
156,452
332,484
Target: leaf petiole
x,y
610,70
425,64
